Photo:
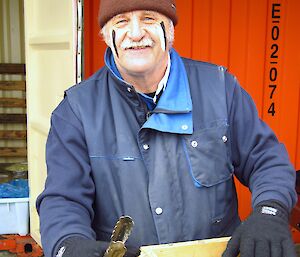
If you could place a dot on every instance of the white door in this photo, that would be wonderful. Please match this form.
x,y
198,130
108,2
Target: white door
x,y
50,38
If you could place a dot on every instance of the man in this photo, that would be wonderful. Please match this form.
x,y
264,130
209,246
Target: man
x,y
158,137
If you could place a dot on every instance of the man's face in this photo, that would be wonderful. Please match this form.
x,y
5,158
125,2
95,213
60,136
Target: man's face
x,y
138,41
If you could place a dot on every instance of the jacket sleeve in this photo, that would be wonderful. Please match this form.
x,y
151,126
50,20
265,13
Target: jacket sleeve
x,y
260,161
65,205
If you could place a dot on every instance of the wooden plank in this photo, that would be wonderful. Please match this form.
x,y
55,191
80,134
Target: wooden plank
x,y
13,134
13,152
201,248
12,118
12,68
12,102
12,85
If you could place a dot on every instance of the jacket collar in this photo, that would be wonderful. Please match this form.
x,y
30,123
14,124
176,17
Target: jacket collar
x,y
173,112
177,97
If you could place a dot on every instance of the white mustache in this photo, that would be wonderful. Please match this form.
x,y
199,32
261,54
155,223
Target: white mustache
x,y
127,43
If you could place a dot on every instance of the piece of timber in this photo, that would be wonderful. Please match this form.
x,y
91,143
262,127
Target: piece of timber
x,y
12,102
13,134
12,118
12,68
201,248
12,85
13,152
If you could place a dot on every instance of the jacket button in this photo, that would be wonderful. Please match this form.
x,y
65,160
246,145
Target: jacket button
x,y
146,147
184,127
194,144
225,139
129,89
158,211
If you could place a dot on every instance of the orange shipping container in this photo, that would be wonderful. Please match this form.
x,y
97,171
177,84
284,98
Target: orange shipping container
x,y
257,40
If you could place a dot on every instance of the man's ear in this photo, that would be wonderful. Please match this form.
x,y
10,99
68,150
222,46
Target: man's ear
x,y
105,36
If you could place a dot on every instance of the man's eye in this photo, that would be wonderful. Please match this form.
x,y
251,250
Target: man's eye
x,y
121,21
148,18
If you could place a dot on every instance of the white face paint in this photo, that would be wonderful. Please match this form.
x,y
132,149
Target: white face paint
x,y
140,45
161,34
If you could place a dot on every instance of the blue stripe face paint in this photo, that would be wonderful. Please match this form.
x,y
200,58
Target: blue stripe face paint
x,y
114,42
164,31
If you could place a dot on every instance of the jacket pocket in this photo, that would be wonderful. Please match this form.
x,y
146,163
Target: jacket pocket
x,y
207,151
225,224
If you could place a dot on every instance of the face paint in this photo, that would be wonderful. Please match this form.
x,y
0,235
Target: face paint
x,y
159,30
113,34
164,36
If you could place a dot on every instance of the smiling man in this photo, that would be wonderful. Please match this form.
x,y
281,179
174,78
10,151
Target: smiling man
x,y
159,138
138,40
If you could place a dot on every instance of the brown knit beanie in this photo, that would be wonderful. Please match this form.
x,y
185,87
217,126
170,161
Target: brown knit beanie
x,y
110,8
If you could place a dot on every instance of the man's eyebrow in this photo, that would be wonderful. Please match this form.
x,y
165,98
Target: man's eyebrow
x,y
150,13
118,16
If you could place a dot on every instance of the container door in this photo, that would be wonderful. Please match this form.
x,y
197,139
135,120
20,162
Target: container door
x,y
50,29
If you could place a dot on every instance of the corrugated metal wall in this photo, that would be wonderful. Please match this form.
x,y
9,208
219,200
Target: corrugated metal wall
x,y
12,50
257,40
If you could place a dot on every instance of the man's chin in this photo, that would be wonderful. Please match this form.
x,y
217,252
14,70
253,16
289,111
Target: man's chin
x,y
137,67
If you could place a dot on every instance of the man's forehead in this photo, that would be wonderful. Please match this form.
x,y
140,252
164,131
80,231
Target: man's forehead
x,y
138,12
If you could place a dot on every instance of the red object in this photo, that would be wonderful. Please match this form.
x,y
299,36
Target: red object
x,y
22,246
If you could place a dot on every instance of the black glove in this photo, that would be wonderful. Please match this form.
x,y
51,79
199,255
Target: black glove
x,y
265,233
81,247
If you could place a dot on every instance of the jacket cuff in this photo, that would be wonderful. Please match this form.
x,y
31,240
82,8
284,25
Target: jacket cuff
x,y
274,208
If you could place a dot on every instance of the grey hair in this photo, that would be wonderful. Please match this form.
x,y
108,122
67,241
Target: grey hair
x,y
170,36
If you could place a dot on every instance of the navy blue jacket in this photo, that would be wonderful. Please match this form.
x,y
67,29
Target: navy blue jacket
x,y
170,169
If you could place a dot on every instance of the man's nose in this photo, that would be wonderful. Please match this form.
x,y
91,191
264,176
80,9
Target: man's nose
x,y
136,31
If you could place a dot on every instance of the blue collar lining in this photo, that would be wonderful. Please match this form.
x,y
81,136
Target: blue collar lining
x,y
173,112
